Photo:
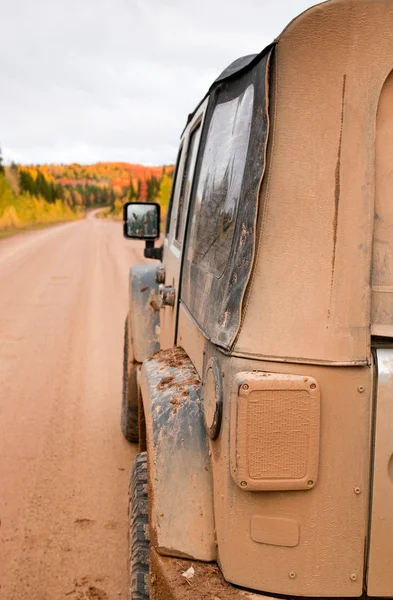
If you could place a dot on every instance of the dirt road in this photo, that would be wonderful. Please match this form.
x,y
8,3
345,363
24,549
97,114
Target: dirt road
x,y
64,466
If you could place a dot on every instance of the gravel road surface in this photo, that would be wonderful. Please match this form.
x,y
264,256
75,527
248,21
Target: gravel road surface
x,y
64,465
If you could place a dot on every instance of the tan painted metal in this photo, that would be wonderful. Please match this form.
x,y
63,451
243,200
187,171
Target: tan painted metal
x,y
382,271
275,431
189,335
332,517
172,248
276,531
317,201
380,560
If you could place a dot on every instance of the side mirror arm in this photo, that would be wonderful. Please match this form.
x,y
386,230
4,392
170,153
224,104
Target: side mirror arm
x,y
152,252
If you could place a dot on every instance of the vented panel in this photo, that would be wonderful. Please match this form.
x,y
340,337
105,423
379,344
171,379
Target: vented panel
x,y
278,423
275,432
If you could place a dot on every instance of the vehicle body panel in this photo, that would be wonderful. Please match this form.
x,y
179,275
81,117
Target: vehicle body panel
x,y
332,517
179,466
144,314
379,577
382,268
173,246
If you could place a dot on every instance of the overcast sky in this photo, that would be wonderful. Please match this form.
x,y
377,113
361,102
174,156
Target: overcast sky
x,y
90,80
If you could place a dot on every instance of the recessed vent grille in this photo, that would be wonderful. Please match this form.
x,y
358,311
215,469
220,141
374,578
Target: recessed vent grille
x,y
278,434
275,432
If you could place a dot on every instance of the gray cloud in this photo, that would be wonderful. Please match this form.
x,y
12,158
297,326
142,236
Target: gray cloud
x,y
115,79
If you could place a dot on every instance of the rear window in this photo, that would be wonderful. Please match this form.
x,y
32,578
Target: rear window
x,y
221,229
220,183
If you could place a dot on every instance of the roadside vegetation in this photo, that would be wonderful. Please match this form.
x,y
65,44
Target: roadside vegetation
x,y
144,187
29,199
38,195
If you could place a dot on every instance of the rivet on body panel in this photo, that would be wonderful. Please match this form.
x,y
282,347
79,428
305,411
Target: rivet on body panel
x,y
310,482
353,577
245,386
243,483
357,490
292,574
361,389
313,386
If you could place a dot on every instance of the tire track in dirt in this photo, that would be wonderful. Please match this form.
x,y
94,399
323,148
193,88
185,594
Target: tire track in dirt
x,y
63,463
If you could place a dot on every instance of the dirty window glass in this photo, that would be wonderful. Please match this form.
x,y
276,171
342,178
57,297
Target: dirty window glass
x,y
220,183
186,181
221,231
168,218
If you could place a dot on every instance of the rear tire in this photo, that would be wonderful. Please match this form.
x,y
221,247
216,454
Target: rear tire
x,y
129,405
139,539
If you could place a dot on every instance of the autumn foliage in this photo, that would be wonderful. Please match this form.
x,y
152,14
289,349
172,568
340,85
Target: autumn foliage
x,y
32,194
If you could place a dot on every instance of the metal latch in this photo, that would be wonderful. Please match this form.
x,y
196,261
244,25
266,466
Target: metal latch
x,y
167,295
160,274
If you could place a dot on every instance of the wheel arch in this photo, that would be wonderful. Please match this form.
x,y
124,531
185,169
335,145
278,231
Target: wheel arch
x,y
181,496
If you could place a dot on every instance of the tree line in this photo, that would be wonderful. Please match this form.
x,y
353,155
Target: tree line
x,y
26,201
72,188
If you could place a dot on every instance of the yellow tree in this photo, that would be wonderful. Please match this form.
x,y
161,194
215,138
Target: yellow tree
x,y
164,193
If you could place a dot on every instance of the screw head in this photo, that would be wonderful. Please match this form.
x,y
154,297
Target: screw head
x,y
310,482
245,386
243,483
313,386
292,574
353,577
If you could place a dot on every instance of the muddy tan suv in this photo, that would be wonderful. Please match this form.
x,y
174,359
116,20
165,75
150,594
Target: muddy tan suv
x,y
259,354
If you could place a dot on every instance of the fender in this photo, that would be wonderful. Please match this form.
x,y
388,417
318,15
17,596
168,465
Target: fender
x,y
144,311
180,487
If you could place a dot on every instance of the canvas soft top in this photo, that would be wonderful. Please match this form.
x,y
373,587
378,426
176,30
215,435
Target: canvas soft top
x,y
235,69
324,180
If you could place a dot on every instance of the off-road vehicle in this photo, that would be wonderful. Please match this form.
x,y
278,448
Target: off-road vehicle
x,y
259,373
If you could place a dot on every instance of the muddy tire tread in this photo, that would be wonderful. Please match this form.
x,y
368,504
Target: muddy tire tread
x,y
139,539
129,404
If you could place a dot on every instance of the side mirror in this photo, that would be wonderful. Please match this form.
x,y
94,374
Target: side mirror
x,y
142,222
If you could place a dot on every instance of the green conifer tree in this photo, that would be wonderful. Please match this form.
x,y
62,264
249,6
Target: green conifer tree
x,y
1,164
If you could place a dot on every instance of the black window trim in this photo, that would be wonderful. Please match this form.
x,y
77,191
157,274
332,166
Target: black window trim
x,y
196,125
173,188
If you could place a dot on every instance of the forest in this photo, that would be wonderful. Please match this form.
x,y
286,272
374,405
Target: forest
x,y
35,195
